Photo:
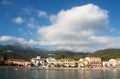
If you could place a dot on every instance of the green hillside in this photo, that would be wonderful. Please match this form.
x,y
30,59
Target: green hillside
x,y
106,54
26,52
70,54
22,52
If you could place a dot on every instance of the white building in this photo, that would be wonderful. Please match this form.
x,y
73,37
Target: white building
x,y
39,62
67,62
112,63
90,62
83,63
94,61
51,62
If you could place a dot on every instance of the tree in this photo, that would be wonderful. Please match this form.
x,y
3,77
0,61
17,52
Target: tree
x,y
61,56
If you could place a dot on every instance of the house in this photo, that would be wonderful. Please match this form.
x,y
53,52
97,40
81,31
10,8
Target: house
x,y
90,62
1,60
67,62
19,62
51,62
114,62
39,62
82,63
106,64
94,61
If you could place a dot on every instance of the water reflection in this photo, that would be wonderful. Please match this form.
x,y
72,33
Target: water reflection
x,y
83,74
61,74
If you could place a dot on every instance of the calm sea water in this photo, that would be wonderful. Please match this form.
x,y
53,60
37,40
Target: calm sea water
x,y
60,74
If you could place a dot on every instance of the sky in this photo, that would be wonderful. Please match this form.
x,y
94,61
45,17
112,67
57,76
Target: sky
x,y
74,25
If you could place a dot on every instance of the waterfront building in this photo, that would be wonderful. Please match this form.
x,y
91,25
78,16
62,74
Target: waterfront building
x,y
94,61
82,63
90,62
1,60
114,62
106,64
51,62
19,62
67,62
39,62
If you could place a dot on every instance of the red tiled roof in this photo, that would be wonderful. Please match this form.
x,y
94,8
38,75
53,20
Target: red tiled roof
x,y
20,60
116,59
93,57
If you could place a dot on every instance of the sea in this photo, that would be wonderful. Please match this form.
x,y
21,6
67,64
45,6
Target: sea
x,y
60,74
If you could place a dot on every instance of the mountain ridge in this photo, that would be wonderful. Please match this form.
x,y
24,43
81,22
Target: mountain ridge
x,y
27,52
19,51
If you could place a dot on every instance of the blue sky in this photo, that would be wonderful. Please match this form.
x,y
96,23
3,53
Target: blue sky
x,y
39,23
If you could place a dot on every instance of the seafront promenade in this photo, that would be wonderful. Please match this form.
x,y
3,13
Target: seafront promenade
x,y
38,68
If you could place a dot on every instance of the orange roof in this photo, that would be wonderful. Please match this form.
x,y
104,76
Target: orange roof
x,y
20,60
116,59
92,57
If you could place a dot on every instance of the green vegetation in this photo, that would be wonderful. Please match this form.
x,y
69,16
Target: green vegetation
x,y
106,54
21,52
26,52
61,56
70,54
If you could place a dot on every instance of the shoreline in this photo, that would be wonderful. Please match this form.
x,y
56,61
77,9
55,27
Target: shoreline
x,y
37,68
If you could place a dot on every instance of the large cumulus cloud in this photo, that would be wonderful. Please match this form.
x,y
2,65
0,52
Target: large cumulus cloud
x,y
77,29
80,28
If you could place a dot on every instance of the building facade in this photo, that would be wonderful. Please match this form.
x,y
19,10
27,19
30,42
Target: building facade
x,y
94,61
82,63
51,62
1,60
114,62
39,62
19,62
67,62
90,62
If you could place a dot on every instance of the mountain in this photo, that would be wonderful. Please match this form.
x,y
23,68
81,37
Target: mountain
x,y
106,54
70,54
19,51
27,52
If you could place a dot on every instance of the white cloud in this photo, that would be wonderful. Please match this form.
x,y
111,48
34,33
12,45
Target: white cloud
x,y
75,29
53,18
29,11
11,38
39,13
8,39
18,20
42,14
22,31
5,38
32,23
32,42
